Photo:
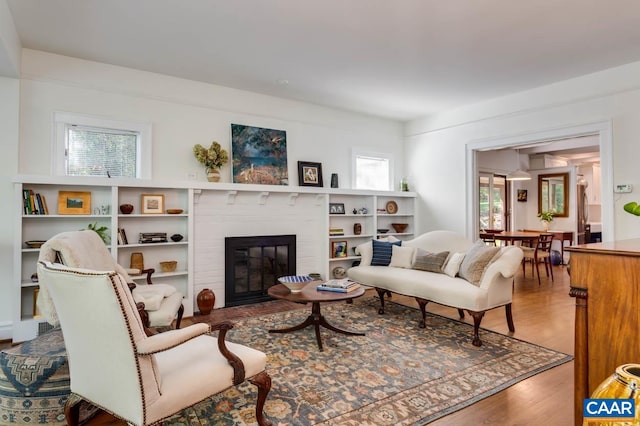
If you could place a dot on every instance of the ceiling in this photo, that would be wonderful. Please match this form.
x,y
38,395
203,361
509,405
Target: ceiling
x,y
401,59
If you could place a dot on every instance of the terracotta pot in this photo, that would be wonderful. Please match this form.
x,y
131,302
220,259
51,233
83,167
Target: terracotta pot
x,y
206,299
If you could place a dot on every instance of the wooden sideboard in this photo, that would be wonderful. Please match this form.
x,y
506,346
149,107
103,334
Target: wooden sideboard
x,y
605,280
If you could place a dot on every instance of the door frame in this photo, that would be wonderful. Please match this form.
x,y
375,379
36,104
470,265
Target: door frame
x,y
602,129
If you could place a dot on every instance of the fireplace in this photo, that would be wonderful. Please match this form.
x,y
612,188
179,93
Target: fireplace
x,y
253,264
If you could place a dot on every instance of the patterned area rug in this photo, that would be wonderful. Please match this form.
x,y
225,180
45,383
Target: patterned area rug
x,y
398,374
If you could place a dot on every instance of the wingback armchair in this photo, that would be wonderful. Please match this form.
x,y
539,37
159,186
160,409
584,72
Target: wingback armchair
x,y
85,249
141,379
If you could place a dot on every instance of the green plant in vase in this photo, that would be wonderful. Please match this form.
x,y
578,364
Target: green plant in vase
x,y
102,231
212,159
546,218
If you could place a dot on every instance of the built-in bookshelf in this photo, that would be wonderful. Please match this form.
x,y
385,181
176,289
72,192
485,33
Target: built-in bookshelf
x,y
96,202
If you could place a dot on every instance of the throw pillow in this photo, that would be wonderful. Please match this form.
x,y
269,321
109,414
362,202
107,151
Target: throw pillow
x,y
475,262
382,251
453,264
365,250
401,257
431,262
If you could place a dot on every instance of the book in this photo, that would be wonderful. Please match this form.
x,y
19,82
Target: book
x,y
339,283
348,289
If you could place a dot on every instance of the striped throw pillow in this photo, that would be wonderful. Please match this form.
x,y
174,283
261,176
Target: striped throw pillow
x,y
382,252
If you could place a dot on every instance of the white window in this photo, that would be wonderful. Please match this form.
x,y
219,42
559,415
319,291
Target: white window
x,y
372,170
92,146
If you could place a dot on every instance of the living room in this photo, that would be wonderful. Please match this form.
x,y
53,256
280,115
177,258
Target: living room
x,y
434,150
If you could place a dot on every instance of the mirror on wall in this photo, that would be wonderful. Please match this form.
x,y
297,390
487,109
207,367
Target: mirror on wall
x,y
553,193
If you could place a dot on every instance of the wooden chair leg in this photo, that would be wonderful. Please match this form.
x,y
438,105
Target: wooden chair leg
x,y
423,311
550,267
507,310
477,318
537,269
263,382
381,293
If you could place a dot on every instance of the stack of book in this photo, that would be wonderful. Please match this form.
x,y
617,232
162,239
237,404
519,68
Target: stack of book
x,y
152,237
341,286
336,231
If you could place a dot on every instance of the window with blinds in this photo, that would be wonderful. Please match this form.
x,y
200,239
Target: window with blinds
x,y
92,151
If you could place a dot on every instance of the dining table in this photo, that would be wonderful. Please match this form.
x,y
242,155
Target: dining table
x,y
510,237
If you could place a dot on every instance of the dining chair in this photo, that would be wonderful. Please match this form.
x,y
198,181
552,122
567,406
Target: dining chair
x,y
141,379
541,251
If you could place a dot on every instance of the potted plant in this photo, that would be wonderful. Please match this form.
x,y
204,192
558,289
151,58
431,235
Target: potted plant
x,y
212,158
546,218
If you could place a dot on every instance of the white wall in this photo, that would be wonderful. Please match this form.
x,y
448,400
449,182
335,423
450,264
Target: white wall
x,y
182,113
9,101
436,146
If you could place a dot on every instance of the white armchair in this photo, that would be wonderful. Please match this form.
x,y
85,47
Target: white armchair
x,y
85,249
141,379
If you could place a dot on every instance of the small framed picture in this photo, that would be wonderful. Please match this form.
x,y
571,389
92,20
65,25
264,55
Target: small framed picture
x,y
71,202
522,195
309,174
152,203
336,208
339,249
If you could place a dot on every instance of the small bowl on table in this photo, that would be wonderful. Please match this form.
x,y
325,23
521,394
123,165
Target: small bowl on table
x,y
295,283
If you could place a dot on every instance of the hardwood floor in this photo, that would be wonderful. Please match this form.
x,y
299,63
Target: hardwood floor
x,y
542,314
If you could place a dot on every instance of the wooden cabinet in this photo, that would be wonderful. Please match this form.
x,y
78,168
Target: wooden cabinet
x,y
605,280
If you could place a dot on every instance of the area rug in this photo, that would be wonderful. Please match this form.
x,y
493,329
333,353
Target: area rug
x,y
398,374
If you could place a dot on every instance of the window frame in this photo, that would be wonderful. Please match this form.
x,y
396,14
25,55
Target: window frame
x,y
359,152
63,120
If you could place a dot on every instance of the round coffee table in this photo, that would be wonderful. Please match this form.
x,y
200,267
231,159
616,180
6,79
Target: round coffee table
x,y
309,294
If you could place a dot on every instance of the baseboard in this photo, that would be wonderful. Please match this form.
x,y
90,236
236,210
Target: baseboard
x,y
6,331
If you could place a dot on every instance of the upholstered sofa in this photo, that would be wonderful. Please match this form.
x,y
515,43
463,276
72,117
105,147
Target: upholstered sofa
x,y
442,267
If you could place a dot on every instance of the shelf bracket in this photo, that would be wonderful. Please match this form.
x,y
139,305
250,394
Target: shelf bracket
x,y
196,195
263,198
231,197
292,198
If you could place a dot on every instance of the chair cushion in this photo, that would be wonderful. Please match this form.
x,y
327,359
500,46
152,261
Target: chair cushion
x,y
475,262
382,251
164,316
401,257
431,262
452,266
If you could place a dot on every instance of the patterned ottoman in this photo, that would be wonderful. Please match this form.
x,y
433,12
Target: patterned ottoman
x,y
34,382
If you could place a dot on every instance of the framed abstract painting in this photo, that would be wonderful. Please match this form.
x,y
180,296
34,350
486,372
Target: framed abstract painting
x,y
259,155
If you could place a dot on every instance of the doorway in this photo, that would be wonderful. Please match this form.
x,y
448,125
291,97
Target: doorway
x,y
493,199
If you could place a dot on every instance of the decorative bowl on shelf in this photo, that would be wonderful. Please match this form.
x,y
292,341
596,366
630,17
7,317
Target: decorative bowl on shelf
x,y
126,208
168,266
34,244
400,227
382,231
295,283
176,237
174,211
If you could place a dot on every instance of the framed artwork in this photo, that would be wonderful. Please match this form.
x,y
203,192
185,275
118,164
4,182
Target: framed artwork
x,y
259,156
72,202
336,208
339,249
309,174
522,195
152,203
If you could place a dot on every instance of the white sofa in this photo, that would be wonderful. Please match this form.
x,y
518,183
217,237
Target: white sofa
x,y
493,282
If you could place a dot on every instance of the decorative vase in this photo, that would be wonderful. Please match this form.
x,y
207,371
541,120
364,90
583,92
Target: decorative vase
x,y
545,225
213,175
357,229
137,261
624,383
334,180
206,299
